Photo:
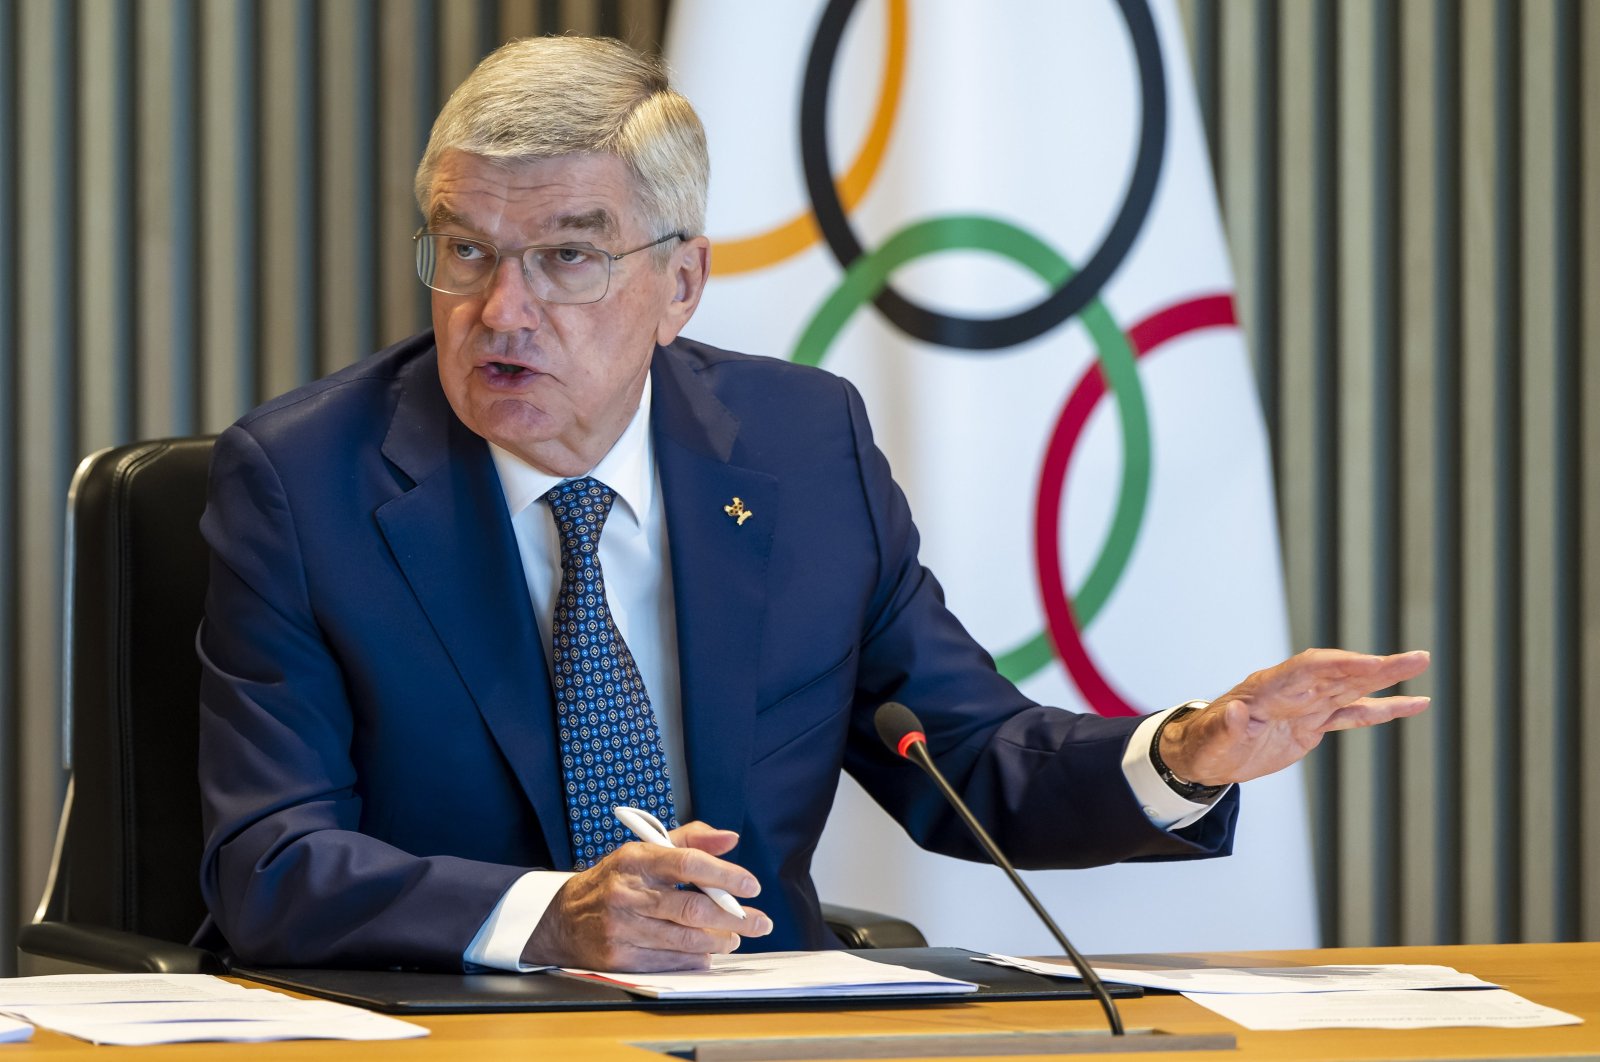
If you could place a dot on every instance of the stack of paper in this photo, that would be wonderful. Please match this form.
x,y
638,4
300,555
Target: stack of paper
x,y
783,975
1262,979
1490,1008
12,1032
1387,996
179,1008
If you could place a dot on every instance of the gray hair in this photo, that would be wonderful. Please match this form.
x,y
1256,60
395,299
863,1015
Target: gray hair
x,y
546,97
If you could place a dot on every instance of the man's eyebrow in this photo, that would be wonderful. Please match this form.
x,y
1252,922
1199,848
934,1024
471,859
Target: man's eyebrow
x,y
443,215
597,220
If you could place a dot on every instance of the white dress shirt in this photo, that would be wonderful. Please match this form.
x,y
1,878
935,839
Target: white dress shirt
x,y
638,580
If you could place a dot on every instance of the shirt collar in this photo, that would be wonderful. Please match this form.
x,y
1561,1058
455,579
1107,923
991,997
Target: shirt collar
x,y
628,468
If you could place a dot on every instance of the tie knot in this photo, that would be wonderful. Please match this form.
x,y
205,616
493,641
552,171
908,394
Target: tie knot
x,y
580,507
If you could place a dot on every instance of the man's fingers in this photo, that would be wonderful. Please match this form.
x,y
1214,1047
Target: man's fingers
x,y
638,943
654,913
1388,670
689,866
660,934
644,885
1327,679
1370,711
657,944
705,838
692,907
1345,662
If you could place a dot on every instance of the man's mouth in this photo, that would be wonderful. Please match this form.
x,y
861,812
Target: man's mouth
x,y
502,368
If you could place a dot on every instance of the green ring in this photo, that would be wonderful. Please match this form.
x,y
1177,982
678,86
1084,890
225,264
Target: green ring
x,y
870,273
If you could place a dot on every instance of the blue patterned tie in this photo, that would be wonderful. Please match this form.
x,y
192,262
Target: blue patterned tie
x,y
610,744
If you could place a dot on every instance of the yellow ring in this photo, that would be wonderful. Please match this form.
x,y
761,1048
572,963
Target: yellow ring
x,y
768,248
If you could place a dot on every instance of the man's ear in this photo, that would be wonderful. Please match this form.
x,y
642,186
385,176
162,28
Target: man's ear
x,y
689,268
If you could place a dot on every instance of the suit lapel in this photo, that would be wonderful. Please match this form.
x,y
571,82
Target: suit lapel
x,y
452,538
719,582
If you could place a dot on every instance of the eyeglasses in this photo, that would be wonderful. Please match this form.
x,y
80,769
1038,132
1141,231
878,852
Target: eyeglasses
x,y
563,272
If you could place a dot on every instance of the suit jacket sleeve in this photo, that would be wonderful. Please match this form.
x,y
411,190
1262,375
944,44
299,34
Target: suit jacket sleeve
x,y
288,873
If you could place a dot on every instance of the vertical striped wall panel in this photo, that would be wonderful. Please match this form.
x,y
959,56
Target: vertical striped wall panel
x,y
202,203
1406,186
1584,210
206,202
10,476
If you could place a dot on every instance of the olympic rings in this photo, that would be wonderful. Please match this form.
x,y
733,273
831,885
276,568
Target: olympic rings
x,y
968,333
784,241
867,279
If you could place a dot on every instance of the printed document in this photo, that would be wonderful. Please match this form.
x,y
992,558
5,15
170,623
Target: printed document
x,y
134,1009
1492,1008
1255,980
783,975
113,988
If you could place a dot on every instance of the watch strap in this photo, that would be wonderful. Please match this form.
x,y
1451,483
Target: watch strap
x,y
1192,791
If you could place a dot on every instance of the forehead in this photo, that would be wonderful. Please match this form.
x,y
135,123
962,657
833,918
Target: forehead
x,y
591,194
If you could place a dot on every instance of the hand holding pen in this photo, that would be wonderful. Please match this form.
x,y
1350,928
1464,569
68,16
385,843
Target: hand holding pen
x,y
652,905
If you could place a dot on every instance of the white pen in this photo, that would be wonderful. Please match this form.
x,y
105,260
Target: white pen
x,y
648,829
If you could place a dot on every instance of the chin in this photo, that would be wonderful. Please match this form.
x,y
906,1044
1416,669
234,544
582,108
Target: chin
x,y
514,425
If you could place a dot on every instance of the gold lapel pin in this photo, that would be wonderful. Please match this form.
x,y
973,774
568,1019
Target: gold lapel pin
x,y
738,511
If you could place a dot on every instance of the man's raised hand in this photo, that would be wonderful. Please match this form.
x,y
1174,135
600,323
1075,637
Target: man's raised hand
x,y
1276,716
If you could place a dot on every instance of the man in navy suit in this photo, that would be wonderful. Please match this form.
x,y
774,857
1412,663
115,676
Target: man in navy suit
x,y
390,776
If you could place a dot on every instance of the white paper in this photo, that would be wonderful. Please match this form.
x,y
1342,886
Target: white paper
x,y
376,1027
272,1007
1493,1008
783,975
181,1008
113,988
1257,980
12,1032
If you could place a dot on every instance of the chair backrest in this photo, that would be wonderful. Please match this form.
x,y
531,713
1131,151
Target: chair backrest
x,y
129,855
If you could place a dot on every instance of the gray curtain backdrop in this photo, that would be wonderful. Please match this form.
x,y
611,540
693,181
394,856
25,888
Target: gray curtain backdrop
x,y
1411,189
206,202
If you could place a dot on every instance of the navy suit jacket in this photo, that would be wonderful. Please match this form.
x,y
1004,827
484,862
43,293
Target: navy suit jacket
x,y
378,759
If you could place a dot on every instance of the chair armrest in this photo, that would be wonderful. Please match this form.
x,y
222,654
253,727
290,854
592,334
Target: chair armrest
x,y
870,929
113,950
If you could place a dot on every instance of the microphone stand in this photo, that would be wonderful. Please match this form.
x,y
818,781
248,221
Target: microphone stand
x,y
917,752
899,730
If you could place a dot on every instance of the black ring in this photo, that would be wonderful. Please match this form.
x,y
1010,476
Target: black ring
x,y
975,333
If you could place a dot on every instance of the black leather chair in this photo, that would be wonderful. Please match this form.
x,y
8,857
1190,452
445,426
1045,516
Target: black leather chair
x,y
124,889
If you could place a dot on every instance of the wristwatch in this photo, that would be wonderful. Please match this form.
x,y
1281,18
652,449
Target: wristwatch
x,y
1192,791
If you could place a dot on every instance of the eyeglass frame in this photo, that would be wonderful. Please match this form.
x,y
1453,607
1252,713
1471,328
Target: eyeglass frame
x,y
521,257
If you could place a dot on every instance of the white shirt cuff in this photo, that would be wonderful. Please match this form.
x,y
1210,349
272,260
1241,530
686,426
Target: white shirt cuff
x,y
1164,808
503,935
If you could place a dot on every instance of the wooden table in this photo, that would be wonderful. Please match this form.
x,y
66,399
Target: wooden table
x,y
1564,976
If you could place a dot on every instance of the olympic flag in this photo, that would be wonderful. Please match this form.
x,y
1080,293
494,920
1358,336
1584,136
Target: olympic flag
x,y
998,221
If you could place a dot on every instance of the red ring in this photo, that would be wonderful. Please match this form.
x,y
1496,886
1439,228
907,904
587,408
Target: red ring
x,y
1210,311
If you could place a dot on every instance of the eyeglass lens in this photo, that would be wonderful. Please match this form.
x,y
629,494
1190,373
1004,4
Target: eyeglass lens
x,y
460,266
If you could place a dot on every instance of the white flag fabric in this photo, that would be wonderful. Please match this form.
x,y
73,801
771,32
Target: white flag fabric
x,y
998,221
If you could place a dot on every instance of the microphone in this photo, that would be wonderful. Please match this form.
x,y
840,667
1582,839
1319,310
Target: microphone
x,y
900,729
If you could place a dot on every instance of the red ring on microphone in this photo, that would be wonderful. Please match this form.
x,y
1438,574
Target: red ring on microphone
x,y
910,739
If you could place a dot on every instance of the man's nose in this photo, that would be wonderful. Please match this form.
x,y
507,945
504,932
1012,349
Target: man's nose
x,y
509,305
